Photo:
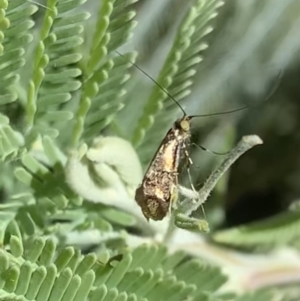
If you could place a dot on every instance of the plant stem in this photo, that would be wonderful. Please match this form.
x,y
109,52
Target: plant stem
x,y
246,143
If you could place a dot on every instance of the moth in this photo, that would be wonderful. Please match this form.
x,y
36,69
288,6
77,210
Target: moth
x,y
159,187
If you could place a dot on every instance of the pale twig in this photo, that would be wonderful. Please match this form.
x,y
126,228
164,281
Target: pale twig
x,y
187,207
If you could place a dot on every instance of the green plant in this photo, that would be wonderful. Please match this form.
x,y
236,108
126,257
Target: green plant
x,y
67,194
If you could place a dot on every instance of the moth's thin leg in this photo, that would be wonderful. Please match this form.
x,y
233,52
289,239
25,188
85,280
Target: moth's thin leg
x,y
210,151
190,162
189,171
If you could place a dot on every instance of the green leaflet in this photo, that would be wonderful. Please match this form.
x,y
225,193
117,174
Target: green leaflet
x,y
54,96
282,229
43,172
257,296
15,23
99,102
10,143
54,77
71,277
177,73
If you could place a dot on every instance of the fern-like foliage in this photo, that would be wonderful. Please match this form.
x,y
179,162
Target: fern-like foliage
x,y
49,201
11,142
114,26
280,230
177,74
57,74
44,273
54,68
15,23
55,101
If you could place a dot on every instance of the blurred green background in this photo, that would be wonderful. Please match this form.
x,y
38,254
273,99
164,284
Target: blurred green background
x,y
252,42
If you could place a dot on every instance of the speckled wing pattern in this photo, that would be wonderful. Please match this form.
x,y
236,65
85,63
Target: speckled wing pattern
x,y
159,185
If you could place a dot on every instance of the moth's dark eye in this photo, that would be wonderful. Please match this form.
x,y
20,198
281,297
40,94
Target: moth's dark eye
x,y
178,124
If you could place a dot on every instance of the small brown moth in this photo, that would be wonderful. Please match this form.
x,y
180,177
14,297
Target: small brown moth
x,y
159,186
160,183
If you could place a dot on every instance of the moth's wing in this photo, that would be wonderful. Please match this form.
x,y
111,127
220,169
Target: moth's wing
x,y
170,135
184,156
177,161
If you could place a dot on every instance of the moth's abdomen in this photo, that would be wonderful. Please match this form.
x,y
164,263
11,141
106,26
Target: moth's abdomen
x,y
156,208
155,198
156,192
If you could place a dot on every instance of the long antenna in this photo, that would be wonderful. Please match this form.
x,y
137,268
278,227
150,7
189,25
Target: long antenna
x,y
154,81
221,113
203,115
273,90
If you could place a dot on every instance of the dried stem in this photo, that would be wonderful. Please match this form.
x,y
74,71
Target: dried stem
x,y
187,207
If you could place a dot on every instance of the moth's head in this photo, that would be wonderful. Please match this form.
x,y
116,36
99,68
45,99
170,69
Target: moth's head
x,y
183,123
